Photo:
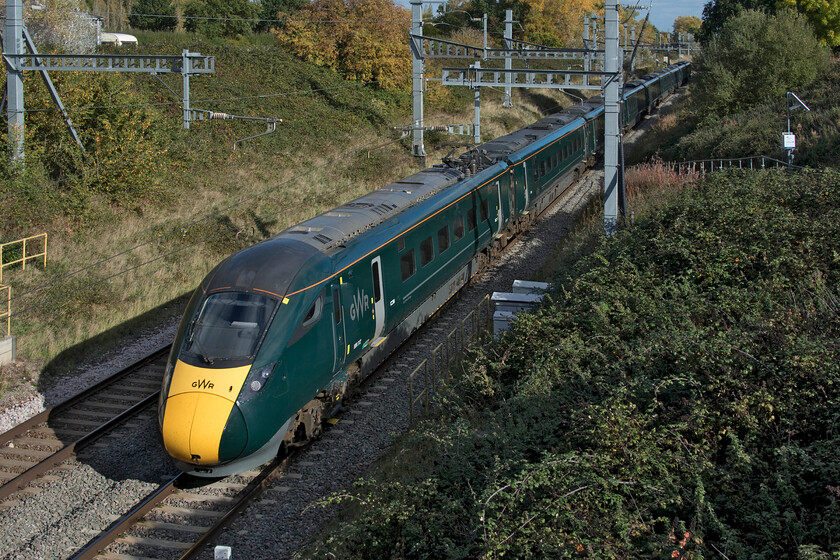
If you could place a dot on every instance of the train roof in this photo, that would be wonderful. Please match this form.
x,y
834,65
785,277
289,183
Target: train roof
x,y
258,267
505,145
335,227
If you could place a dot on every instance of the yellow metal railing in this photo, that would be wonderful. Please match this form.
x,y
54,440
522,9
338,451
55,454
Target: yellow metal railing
x,y
24,256
7,314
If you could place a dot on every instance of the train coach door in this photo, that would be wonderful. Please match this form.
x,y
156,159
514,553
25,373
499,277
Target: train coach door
x,y
500,212
511,188
338,329
378,297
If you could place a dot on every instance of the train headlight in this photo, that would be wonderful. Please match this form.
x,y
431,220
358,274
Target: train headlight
x,y
259,380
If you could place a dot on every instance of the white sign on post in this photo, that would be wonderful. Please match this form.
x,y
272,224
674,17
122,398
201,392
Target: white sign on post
x,y
788,140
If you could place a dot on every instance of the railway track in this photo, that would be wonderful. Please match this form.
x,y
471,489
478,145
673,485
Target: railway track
x,y
182,516
29,450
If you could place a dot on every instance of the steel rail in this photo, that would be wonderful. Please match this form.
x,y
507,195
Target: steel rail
x,y
24,478
114,532
27,476
256,487
94,547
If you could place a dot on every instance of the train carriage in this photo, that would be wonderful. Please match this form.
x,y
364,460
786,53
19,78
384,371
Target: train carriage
x,y
275,334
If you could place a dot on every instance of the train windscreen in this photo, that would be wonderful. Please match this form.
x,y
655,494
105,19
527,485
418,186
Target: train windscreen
x,y
229,326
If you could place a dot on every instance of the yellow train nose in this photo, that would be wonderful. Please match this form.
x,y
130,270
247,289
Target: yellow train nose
x,y
199,407
193,425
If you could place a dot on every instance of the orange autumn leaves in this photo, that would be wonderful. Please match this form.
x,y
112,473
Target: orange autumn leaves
x,y
363,40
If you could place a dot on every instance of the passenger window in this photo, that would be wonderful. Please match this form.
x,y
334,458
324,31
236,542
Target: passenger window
x,y
443,239
536,171
427,251
407,264
471,219
377,289
400,243
458,228
485,210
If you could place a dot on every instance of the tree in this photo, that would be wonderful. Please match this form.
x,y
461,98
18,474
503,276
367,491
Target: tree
x,y
562,19
268,10
718,12
60,25
365,40
824,15
153,15
219,18
757,57
687,24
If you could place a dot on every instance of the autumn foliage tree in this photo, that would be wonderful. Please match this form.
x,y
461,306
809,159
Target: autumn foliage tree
x,y
687,24
365,40
562,19
823,15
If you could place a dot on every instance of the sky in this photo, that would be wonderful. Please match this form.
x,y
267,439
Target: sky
x,y
664,12
662,15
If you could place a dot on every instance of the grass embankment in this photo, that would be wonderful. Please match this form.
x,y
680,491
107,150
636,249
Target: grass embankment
x,y
677,397
156,206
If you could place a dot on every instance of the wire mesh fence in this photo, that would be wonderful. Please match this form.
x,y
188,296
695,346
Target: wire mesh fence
x,y
433,371
704,166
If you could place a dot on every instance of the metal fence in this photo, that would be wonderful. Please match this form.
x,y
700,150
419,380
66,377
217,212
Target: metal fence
x,y
435,369
703,166
7,313
21,244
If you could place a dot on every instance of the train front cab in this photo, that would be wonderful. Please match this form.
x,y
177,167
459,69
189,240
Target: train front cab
x,y
234,378
201,418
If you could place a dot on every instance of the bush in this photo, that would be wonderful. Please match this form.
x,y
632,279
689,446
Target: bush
x,y
153,15
757,130
757,57
676,398
363,41
220,18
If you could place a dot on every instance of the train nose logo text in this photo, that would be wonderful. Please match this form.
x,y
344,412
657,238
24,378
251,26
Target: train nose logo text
x,y
202,384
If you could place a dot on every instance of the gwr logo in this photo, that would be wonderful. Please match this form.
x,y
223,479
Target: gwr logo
x,y
202,384
361,303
